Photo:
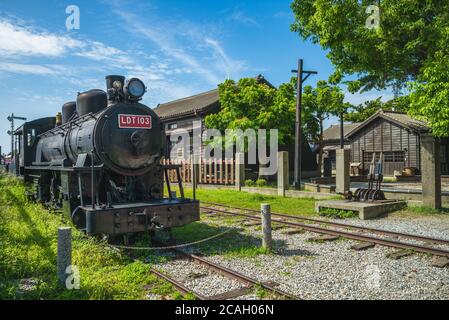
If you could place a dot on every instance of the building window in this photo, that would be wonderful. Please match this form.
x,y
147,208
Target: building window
x,y
389,156
172,126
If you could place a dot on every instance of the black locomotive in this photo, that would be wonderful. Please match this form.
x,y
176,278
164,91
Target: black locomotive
x,y
100,162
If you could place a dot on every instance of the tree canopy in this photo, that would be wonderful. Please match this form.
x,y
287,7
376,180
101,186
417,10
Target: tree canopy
x,y
249,103
365,110
410,46
318,104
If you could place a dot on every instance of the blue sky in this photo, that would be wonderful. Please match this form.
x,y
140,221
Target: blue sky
x,y
177,48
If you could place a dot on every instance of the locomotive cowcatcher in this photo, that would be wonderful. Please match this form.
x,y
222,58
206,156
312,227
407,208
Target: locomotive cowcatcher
x,y
99,161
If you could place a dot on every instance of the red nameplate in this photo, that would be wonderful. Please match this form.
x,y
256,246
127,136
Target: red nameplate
x,y
134,121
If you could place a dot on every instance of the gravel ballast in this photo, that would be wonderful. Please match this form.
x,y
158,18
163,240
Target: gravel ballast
x,y
331,270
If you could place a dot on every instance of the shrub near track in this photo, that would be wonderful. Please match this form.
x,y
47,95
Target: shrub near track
x,y
28,246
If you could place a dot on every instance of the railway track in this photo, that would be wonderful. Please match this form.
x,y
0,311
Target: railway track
x,y
312,226
247,282
340,225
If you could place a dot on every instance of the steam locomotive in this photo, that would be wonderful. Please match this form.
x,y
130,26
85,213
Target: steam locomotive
x,y
99,161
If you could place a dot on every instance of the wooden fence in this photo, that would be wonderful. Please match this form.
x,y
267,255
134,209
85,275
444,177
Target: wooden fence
x,y
210,171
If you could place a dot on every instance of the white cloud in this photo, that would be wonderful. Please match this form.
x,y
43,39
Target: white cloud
x,y
29,68
98,51
231,67
17,40
241,17
186,44
183,49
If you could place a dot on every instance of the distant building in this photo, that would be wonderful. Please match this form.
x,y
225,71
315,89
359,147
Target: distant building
x,y
395,134
331,140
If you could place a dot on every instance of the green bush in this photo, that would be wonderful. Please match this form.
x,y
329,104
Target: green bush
x,y
261,182
249,183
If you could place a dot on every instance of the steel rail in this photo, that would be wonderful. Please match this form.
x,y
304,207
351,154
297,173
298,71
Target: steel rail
x,y
340,225
178,285
349,235
233,274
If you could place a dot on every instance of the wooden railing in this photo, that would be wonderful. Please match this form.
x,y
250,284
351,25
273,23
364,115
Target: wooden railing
x,y
209,171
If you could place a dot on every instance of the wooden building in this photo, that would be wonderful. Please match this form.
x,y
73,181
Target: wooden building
x,y
181,114
331,140
397,136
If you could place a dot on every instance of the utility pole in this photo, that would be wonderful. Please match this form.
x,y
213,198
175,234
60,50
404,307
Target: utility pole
x,y
11,119
298,128
342,134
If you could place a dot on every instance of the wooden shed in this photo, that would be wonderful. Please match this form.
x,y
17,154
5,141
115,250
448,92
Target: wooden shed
x,y
397,136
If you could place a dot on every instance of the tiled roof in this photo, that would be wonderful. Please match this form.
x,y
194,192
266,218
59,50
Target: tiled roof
x,y
406,120
333,132
400,118
197,103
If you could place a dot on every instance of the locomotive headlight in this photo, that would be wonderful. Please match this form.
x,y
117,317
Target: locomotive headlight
x,y
135,89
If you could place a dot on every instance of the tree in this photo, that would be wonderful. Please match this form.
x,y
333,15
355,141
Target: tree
x,y
253,104
319,103
409,46
430,96
365,110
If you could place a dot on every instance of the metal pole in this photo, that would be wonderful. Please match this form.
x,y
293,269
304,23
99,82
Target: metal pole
x,y
11,118
342,138
298,127
194,182
92,179
12,136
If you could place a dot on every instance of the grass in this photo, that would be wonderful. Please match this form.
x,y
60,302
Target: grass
x,y
235,243
338,213
28,241
417,211
295,206
289,205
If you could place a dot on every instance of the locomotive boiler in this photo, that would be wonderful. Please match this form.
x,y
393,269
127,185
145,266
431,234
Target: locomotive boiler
x,y
99,161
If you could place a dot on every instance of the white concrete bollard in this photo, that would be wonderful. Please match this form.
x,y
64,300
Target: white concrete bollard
x,y
265,210
64,252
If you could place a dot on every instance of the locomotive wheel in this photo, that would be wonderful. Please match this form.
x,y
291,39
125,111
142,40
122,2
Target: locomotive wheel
x,y
79,218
